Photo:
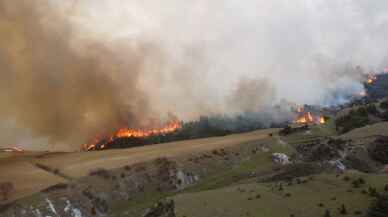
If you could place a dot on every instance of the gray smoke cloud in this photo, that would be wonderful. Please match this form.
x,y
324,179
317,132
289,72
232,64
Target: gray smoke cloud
x,y
74,69
306,50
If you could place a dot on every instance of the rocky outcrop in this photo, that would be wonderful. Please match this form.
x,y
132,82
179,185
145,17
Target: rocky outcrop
x,y
280,158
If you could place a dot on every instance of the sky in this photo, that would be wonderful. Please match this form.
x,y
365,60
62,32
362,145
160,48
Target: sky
x,y
74,69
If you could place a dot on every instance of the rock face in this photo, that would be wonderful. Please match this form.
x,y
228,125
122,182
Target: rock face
x,y
281,158
164,208
95,194
324,150
185,179
338,165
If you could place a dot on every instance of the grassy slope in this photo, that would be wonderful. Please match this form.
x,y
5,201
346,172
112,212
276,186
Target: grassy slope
x,y
370,130
219,174
18,168
235,201
218,194
304,200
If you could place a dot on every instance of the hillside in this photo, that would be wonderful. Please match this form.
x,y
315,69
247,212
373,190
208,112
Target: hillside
x,y
234,175
308,169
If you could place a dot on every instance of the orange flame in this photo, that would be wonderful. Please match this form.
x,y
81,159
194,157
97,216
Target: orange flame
x,y
133,133
308,118
13,149
371,78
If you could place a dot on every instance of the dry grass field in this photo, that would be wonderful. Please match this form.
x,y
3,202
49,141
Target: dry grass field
x,y
21,169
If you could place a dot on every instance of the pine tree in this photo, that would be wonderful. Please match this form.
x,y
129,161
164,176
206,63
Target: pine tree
x,y
327,213
380,207
343,210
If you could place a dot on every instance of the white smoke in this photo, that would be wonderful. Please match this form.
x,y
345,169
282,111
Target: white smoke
x,y
196,54
302,47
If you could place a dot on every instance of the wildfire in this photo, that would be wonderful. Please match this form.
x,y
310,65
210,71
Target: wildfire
x,y
102,143
371,78
13,149
308,118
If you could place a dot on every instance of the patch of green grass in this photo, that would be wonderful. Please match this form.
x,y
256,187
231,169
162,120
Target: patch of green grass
x,y
315,133
136,207
228,175
325,191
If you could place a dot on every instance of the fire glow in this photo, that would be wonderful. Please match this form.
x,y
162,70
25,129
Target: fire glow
x,y
309,118
13,149
102,142
371,78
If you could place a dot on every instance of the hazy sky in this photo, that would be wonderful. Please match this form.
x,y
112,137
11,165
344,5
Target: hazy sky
x,y
74,68
300,46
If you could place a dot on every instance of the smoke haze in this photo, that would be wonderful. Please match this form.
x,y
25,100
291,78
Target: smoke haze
x,y
74,69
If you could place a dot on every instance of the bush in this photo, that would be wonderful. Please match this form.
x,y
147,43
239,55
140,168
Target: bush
x,y
358,182
372,109
343,210
327,213
379,150
384,115
6,189
100,172
355,119
384,104
372,192
379,207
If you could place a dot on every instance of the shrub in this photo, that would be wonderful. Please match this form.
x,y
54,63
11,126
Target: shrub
x,y
358,182
379,150
379,207
343,210
357,212
384,115
384,104
327,213
6,189
372,109
100,173
372,192
355,119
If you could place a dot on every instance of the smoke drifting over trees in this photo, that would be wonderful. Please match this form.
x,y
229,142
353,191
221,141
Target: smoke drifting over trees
x,y
74,69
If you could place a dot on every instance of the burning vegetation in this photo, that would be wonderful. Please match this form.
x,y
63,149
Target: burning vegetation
x,y
12,149
308,117
371,78
100,143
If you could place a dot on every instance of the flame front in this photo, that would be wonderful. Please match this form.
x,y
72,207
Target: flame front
x,y
132,133
308,118
371,78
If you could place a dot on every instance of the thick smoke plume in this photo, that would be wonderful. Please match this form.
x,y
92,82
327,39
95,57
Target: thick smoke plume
x,y
74,69
64,93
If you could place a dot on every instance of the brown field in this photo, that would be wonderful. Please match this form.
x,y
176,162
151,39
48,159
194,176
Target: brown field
x,y
20,168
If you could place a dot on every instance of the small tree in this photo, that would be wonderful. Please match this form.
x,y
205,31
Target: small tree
x,y
379,208
343,210
6,189
327,213
372,192
281,187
